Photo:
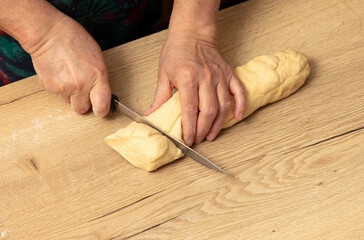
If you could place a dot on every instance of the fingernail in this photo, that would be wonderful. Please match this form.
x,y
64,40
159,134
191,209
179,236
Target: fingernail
x,y
241,115
147,111
198,140
96,112
99,111
189,141
210,137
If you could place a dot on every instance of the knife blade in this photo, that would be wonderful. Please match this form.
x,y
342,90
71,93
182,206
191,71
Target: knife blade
x,y
121,108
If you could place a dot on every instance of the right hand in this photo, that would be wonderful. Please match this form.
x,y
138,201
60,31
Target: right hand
x,y
69,62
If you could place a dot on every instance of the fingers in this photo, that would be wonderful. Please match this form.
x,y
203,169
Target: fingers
x,y
162,94
223,97
189,104
237,89
100,96
81,103
208,110
80,96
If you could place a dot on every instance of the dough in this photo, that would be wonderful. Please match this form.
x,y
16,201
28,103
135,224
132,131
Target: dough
x,y
266,79
143,146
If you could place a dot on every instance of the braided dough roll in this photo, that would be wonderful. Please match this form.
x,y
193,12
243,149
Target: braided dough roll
x,y
266,79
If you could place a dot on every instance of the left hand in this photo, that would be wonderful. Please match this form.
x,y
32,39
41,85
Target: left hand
x,y
192,63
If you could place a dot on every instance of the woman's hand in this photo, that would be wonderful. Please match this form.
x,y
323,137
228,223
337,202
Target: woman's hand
x,y
66,58
192,63
69,62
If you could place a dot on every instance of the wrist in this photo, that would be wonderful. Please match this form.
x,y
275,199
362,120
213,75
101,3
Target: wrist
x,y
46,35
205,33
197,17
38,35
190,38
29,21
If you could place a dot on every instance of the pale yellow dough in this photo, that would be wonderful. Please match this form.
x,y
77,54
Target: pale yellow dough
x,y
266,79
143,146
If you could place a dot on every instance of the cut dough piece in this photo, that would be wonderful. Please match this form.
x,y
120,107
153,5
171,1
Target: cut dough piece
x,y
143,146
266,79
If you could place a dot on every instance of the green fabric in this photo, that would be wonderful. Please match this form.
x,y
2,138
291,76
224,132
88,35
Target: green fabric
x,y
110,22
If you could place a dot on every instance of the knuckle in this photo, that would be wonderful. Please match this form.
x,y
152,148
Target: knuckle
x,y
185,73
209,81
72,86
65,84
81,82
225,105
77,86
61,87
210,111
186,82
191,109
103,70
208,74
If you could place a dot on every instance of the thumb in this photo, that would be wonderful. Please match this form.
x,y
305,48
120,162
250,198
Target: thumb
x,y
162,94
100,96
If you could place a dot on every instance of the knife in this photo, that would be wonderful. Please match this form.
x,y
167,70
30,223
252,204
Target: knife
x,y
121,108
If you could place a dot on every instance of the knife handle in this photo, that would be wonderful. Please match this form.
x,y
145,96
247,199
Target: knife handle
x,y
112,104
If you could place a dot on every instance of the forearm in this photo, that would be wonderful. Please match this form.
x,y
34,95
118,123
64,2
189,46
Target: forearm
x,y
28,21
198,16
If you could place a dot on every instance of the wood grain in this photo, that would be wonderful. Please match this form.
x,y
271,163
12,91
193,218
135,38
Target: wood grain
x,y
295,167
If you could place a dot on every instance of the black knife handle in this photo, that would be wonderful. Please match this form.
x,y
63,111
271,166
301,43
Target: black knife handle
x,y
112,104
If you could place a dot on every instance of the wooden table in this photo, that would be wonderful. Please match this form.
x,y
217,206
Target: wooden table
x,y
295,168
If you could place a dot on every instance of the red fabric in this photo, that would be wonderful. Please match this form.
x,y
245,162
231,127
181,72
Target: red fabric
x,y
110,16
135,14
4,78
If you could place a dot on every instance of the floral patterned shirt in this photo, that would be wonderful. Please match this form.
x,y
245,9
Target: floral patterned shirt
x,y
110,22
